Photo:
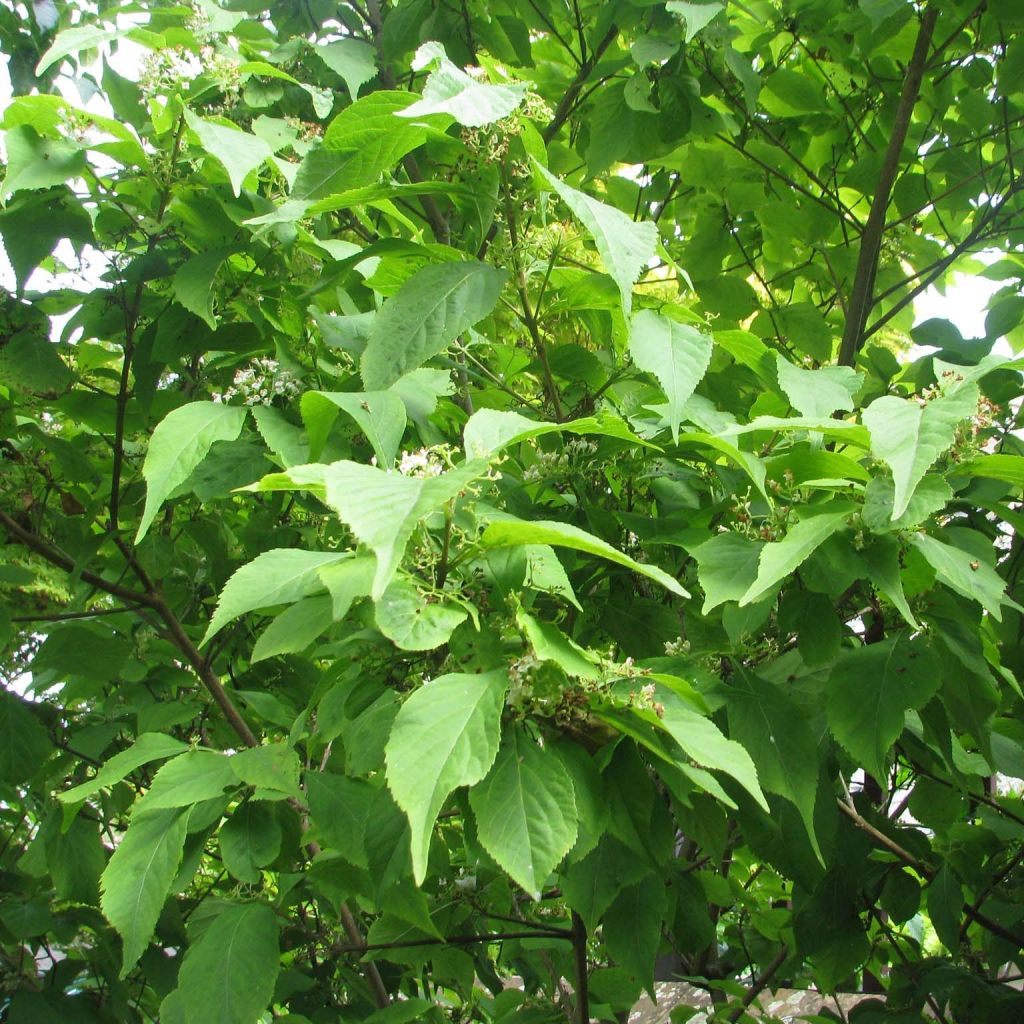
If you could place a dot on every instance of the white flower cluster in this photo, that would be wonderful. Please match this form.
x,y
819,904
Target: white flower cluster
x,y
673,648
261,382
424,462
175,68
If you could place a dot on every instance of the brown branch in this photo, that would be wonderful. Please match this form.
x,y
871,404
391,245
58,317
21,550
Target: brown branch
x,y
871,239
579,949
568,101
760,984
458,940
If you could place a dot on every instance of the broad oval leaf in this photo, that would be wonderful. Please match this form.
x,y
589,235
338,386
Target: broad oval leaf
x,y
677,354
624,245
525,810
237,151
909,438
249,840
512,532
228,975
430,311
412,621
279,576
445,736
179,443
150,746
138,877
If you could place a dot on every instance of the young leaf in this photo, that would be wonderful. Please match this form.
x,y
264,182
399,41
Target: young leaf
x,y
624,245
432,308
726,567
870,690
179,443
908,438
411,622
189,778
512,532
34,162
445,736
962,572
821,392
525,810
780,558
449,90
236,150
382,509
677,354
272,768
295,628
379,414
279,576
138,876
74,40
697,16
702,740
150,746
229,974
489,431
351,59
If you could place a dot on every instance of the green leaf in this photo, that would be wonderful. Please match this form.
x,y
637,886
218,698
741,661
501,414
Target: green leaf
x,y
782,557
626,246
631,929
445,736
179,443
818,393
279,576
677,354
525,810
32,363
237,151
74,40
413,621
697,16
149,747
432,308
909,438
272,768
34,162
549,643
449,90
383,509
945,908
931,495
726,567
350,59
189,778
193,284
702,740
869,691
380,415
545,573
963,572
138,877
347,581
490,431
249,840
770,726
294,629
340,808
374,139
513,532
24,744
229,974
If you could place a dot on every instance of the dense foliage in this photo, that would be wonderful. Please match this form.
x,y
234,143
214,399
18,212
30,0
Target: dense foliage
x,y
476,504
